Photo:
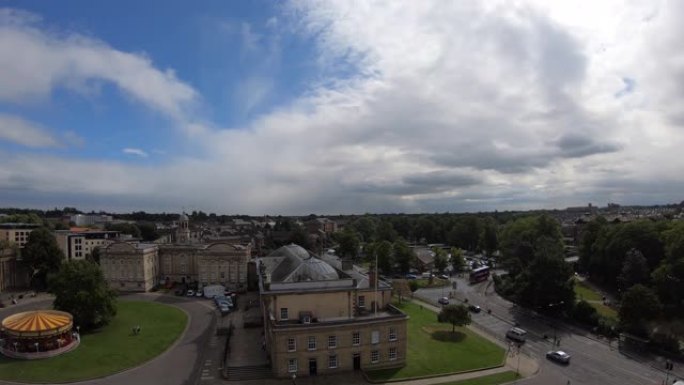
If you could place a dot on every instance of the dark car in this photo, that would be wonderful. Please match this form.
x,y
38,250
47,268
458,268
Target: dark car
x,y
558,356
474,308
180,292
443,301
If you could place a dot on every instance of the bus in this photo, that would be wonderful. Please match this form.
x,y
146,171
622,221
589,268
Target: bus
x,y
479,274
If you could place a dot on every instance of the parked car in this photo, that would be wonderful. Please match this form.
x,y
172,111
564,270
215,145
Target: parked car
x,y
443,301
224,308
411,276
190,293
443,276
198,293
558,356
474,308
180,292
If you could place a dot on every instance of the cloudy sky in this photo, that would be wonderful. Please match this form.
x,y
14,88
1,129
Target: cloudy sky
x,y
340,106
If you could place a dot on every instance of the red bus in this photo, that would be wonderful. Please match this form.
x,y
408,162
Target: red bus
x,y
480,274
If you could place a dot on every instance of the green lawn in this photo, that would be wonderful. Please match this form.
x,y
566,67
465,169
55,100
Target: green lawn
x,y
595,299
433,349
585,292
492,379
109,350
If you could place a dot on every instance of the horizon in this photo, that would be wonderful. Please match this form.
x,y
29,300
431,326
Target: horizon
x,y
305,106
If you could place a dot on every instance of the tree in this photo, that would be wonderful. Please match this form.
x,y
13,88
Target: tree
x,y
148,231
490,237
299,237
125,228
413,286
81,290
403,255
634,270
457,260
43,255
456,315
440,259
349,243
383,251
639,304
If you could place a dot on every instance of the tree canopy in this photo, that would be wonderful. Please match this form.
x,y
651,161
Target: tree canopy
x,y
80,289
456,315
43,255
639,305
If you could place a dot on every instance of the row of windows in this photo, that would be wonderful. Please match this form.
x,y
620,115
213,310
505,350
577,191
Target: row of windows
x,y
333,362
333,341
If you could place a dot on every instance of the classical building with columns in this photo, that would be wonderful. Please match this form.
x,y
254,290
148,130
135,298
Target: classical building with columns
x,y
140,266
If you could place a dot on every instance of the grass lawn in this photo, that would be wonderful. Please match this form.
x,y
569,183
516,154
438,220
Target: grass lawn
x,y
492,379
433,349
109,350
594,299
585,292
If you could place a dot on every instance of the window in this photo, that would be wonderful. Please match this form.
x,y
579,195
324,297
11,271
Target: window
x,y
356,339
332,361
283,313
392,354
332,342
392,334
375,357
362,301
375,337
312,343
291,344
292,365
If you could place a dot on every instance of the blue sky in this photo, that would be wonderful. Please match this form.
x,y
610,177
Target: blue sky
x,y
304,106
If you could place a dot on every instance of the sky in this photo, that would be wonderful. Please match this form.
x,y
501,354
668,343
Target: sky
x,y
340,107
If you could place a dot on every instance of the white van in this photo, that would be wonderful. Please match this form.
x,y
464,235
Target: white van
x,y
516,334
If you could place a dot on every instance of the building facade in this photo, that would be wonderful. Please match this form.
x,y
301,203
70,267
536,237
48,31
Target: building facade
x,y
130,267
322,320
16,233
80,244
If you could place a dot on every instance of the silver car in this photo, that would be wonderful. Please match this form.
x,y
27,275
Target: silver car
x,y
558,356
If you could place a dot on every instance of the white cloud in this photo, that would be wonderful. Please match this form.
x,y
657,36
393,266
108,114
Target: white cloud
x,y
430,106
135,151
18,130
34,62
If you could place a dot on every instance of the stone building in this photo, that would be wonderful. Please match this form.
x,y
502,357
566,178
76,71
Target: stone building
x,y
321,320
139,267
130,267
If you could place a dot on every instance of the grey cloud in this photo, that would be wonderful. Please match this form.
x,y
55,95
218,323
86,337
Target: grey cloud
x,y
578,146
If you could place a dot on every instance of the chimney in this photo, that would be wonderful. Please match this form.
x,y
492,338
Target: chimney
x,y
372,278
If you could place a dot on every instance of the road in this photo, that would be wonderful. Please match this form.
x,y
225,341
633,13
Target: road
x,y
593,361
185,363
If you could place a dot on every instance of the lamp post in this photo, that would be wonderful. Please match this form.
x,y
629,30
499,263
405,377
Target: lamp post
x,y
15,346
37,350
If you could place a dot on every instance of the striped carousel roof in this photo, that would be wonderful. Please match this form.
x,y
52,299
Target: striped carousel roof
x,y
37,323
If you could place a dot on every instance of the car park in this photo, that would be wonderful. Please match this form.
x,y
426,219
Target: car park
x,y
443,301
558,356
474,308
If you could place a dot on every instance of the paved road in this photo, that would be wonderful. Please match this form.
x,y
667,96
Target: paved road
x,y
593,361
183,364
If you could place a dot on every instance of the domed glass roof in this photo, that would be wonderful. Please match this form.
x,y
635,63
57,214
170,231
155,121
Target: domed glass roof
x,y
184,217
297,265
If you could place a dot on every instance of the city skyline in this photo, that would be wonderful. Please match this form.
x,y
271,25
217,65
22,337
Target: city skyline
x,y
333,107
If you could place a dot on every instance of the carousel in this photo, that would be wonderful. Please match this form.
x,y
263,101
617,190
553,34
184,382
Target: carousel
x,y
38,334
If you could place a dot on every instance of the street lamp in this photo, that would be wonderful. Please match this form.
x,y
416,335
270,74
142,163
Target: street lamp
x,y
37,350
15,346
